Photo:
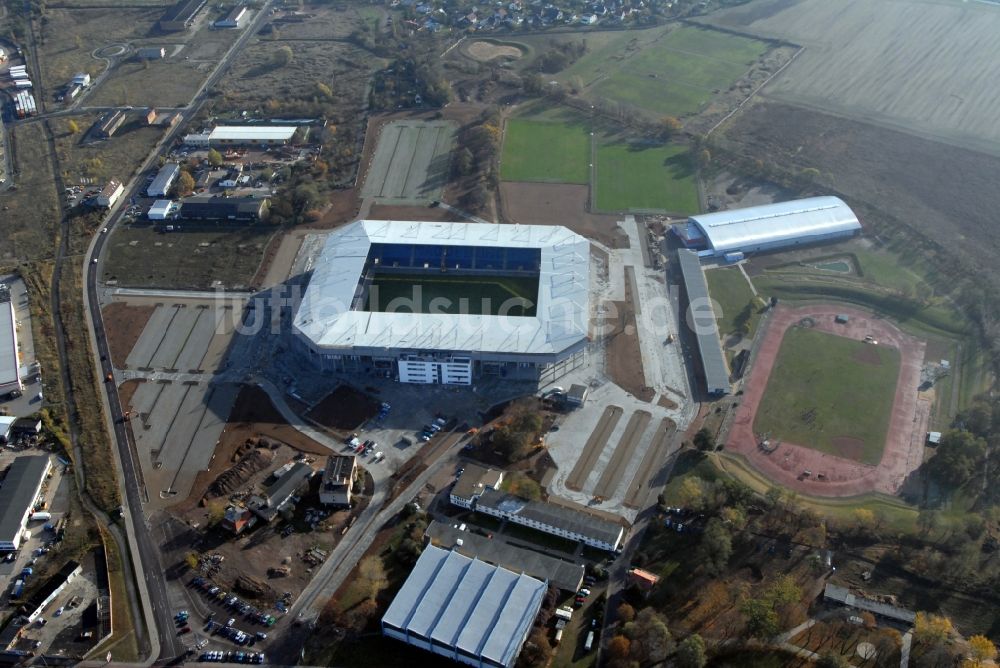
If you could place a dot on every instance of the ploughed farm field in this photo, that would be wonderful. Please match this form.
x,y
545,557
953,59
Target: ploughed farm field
x,y
926,67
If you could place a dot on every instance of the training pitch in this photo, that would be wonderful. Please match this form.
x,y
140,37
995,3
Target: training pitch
x,y
545,151
839,416
468,295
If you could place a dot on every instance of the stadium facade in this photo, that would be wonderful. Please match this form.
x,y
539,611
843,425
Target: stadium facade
x,y
770,226
445,303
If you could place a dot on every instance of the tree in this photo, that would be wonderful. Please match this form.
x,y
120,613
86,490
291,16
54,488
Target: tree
x,y
619,648
521,485
959,455
691,494
691,652
283,56
864,520
371,573
927,520
931,630
73,126
761,619
716,546
981,651
324,91
651,639
465,162
625,613
704,158
536,652
669,126
832,661
185,184
704,440
214,157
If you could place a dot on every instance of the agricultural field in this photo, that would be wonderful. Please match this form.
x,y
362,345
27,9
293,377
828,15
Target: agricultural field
x,y
678,73
535,150
830,393
730,290
142,257
658,178
910,65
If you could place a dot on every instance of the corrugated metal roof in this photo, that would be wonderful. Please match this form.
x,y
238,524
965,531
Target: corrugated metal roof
x,y
702,319
9,373
562,314
163,179
554,515
774,223
252,133
467,604
18,491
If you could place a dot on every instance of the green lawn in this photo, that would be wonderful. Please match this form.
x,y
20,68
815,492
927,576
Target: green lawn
x,y
655,177
474,295
729,288
830,393
550,152
680,72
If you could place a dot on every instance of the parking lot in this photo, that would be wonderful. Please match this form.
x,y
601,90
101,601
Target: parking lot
x,y
177,410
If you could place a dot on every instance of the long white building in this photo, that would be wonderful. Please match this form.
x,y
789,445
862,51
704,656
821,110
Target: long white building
x,y
10,375
342,326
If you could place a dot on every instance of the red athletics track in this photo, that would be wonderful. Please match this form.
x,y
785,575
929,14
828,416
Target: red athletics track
x,y
842,477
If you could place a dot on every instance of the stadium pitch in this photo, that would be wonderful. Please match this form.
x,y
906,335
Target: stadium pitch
x,y
460,294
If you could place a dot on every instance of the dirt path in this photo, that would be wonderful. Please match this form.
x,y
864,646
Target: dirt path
x,y
595,445
832,475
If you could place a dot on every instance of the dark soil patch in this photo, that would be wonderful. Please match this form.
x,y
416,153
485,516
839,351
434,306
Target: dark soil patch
x,y
344,409
868,355
559,204
849,447
666,402
124,325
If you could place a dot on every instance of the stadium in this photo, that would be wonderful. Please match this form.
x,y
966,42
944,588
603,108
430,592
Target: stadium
x,y
447,302
769,227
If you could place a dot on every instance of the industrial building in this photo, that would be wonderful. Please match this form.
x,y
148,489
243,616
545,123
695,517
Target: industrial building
x,y
705,328
242,135
181,15
151,53
164,179
161,209
340,330
81,79
18,493
475,480
10,373
338,478
108,124
278,495
233,18
551,518
235,209
464,609
770,226
52,588
110,194
565,575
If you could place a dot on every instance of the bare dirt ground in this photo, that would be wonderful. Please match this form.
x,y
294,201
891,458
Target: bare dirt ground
x,y
559,204
651,463
943,192
487,51
841,477
124,325
423,213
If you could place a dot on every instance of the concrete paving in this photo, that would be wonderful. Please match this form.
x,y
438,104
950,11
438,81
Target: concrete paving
x,y
175,338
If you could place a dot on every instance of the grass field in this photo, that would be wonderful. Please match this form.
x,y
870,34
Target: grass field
x,y
656,177
472,295
29,216
730,289
545,151
678,73
831,394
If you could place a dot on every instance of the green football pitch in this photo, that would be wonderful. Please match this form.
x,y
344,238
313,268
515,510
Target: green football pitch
x,y
469,295
831,394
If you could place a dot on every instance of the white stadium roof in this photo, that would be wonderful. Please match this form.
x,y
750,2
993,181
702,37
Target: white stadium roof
x,y
562,313
775,224
466,604
252,133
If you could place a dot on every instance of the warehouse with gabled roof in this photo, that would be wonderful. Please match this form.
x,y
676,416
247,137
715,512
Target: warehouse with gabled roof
x,y
772,226
464,609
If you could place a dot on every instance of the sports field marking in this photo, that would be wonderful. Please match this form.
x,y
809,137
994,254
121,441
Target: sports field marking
x,y
545,151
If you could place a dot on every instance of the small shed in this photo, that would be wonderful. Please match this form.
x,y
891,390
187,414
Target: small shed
x,y
933,438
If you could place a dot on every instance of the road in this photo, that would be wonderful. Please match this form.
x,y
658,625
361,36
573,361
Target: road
x,y
144,551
